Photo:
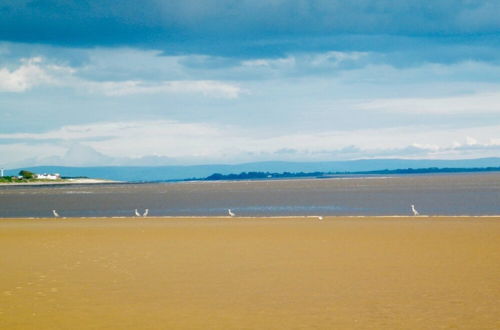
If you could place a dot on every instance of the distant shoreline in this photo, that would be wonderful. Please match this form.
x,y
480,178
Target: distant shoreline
x,y
59,182
260,175
346,176
169,173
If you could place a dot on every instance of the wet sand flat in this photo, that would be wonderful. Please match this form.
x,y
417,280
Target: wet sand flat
x,y
253,273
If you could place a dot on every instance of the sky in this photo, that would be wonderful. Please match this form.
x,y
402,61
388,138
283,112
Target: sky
x,y
180,82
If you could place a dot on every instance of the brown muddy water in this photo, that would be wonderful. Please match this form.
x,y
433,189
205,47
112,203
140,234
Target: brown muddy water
x,y
451,194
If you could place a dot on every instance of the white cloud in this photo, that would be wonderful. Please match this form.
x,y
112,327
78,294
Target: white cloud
x,y
35,72
29,74
131,87
289,61
160,128
335,58
473,104
303,63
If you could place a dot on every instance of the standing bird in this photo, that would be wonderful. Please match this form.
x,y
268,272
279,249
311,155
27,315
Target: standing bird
x,y
137,214
231,214
55,213
146,211
415,212
320,218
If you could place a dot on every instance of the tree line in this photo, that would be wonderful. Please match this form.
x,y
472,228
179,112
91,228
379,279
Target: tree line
x,y
318,174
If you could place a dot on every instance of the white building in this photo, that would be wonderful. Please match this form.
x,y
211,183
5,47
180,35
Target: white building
x,y
46,176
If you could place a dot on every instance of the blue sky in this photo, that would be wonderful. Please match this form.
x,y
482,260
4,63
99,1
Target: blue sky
x,y
193,82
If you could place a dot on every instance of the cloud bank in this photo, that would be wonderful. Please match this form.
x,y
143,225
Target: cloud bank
x,y
33,72
249,28
172,142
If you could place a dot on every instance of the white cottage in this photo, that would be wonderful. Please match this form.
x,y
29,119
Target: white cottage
x,y
46,176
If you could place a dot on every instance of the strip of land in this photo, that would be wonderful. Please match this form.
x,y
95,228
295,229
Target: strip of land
x,y
57,182
261,273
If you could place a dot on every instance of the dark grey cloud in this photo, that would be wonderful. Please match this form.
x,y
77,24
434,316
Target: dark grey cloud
x,y
250,28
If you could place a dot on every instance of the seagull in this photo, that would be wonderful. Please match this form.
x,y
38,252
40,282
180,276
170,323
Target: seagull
x,y
146,211
320,217
415,212
55,213
137,214
231,214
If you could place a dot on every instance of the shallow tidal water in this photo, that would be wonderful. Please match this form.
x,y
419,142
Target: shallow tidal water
x,y
448,194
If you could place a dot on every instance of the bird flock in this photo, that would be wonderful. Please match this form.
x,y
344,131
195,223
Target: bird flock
x,y
229,212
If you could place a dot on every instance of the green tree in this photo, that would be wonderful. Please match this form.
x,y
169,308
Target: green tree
x,y
27,174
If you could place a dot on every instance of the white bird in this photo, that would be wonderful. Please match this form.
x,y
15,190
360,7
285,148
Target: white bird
x,y
231,214
137,214
55,213
146,211
415,212
320,217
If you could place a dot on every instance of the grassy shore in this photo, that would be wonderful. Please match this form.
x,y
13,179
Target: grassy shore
x,y
196,273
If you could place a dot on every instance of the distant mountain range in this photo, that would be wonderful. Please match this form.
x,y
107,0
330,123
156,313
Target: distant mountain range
x,y
167,173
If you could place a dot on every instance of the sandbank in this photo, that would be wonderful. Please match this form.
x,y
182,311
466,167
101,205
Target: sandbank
x,y
255,273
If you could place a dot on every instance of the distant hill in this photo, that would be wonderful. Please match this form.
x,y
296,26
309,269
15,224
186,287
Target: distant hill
x,y
165,173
